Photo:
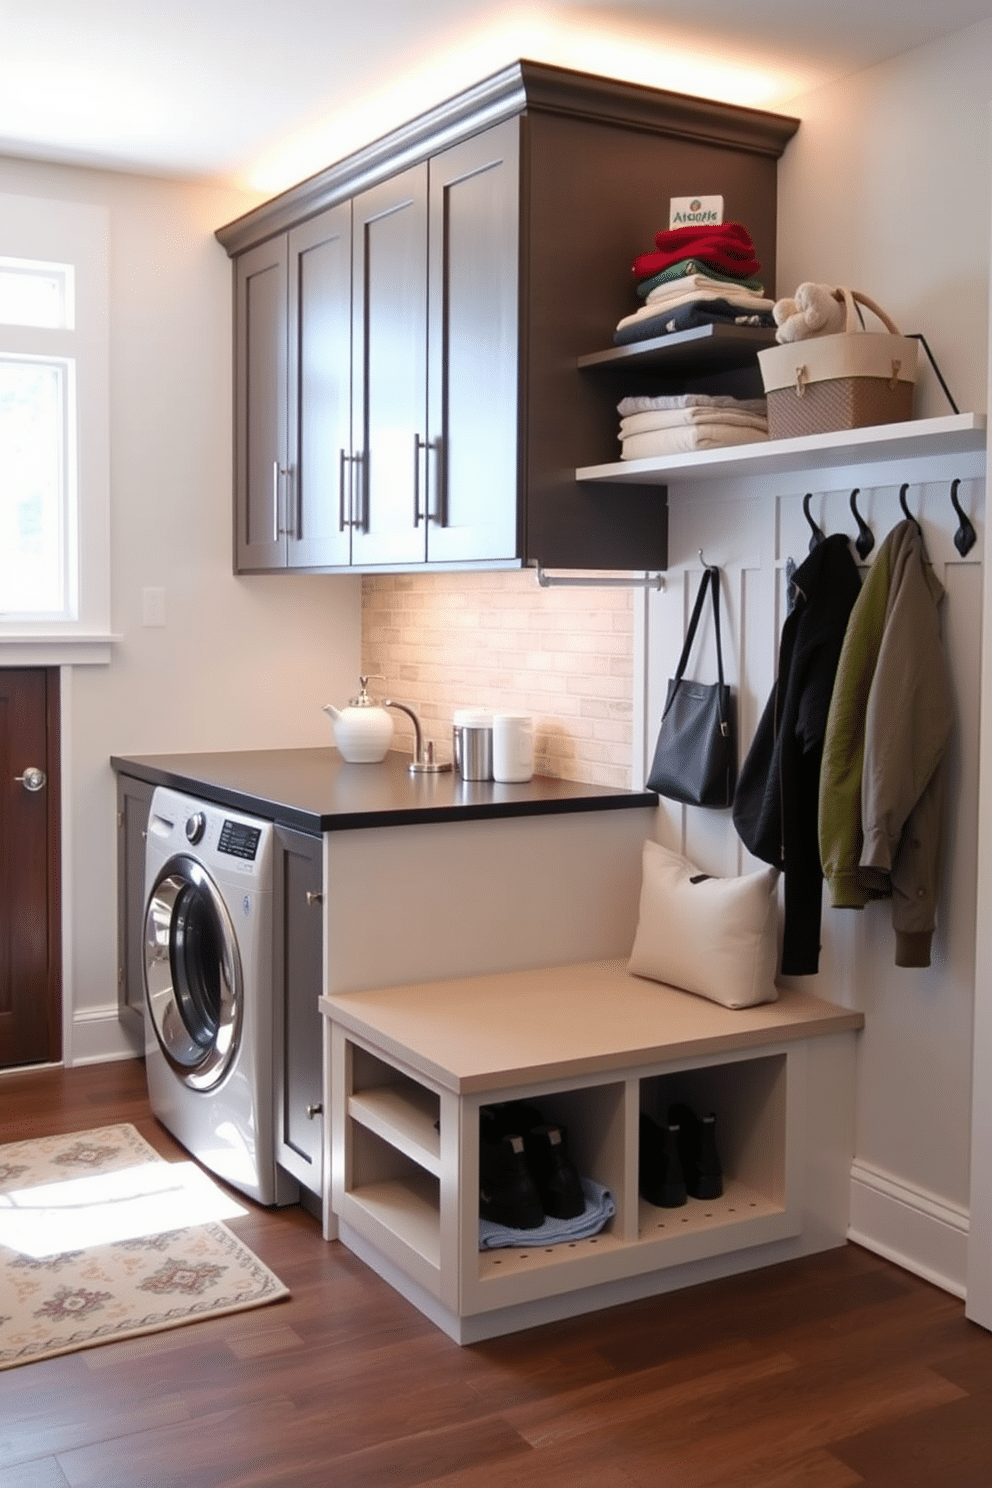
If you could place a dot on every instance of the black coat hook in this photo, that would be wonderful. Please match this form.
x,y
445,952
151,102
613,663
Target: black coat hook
x,y
964,538
865,540
818,535
906,511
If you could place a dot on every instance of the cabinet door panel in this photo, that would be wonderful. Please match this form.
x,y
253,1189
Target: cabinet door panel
x,y
134,799
473,381
298,942
390,367
319,534
260,406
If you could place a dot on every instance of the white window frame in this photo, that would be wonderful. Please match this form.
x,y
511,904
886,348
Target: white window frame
x,y
74,233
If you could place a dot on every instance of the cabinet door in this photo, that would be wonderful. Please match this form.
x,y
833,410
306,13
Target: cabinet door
x,y
319,422
473,348
298,945
260,407
134,799
390,369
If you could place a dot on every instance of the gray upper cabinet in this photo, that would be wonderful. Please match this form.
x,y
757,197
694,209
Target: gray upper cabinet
x,y
470,505
293,396
260,453
319,382
410,323
435,359
389,386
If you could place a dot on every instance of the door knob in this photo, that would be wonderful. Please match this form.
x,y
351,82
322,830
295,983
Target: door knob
x,y
314,899
33,779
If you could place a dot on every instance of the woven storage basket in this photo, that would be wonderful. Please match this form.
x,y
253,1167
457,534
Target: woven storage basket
x,y
844,381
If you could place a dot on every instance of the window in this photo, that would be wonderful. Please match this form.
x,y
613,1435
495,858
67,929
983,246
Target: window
x,y
54,488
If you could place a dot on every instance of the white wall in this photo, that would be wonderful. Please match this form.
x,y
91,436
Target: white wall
x,y
240,663
885,187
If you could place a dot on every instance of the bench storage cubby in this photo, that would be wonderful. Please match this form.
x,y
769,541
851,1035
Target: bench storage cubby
x,y
408,1069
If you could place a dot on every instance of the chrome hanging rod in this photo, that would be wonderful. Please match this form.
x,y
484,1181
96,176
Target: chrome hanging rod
x,y
650,581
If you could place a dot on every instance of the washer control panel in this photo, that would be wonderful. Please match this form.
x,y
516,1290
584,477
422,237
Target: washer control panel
x,y
239,839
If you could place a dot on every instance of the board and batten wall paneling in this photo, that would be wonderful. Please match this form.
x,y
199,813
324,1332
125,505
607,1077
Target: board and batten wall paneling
x,y
910,1179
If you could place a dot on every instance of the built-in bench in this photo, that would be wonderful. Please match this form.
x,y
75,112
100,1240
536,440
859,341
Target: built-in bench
x,y
408,1067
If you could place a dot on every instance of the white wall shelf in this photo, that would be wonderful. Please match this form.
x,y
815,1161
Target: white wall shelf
x,y
957,434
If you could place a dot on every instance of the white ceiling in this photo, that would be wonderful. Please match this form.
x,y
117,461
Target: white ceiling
x,y
261,93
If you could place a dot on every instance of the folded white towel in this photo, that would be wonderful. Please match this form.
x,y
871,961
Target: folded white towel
x,y
642,404
689,287
685,440
681,418
746,299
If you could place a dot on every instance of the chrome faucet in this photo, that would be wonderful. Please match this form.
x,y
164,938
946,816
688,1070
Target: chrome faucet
x,y
423,762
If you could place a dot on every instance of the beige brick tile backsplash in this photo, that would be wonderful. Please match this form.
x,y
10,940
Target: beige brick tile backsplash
x,y
499,641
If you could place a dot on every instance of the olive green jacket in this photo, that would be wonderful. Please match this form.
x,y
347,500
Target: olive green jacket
x,y
890,718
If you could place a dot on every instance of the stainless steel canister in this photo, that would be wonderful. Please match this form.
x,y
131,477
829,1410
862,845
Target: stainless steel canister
x,y
477,762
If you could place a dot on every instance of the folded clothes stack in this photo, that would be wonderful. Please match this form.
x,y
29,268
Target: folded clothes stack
x,y
697,276
683,422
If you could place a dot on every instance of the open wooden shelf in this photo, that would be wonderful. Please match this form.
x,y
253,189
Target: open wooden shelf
x,y
704,349
407,1208
405,1115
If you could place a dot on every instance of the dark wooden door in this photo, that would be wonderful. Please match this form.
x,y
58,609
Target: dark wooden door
x,y
473,434
30,945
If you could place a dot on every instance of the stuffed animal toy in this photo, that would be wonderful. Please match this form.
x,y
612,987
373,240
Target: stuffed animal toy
x,y
814,310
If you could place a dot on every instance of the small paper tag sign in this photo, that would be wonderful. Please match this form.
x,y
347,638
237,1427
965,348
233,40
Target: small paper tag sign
x,y
695,211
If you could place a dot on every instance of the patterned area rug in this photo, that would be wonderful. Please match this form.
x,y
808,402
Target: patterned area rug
x,y
102,1239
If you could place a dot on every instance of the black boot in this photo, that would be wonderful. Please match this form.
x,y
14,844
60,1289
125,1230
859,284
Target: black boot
x,y
507,1119
660,1168
557,1181
507,1192
697,1146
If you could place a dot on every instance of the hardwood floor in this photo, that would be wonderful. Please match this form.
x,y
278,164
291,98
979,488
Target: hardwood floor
x,y
829,1372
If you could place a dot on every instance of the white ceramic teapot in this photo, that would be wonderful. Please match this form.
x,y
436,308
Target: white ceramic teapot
x,y
363,731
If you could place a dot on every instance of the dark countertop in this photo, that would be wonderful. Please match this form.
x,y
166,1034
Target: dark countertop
x,y
315,791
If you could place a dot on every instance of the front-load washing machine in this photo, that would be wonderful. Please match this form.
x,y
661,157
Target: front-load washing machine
x,y
209,1026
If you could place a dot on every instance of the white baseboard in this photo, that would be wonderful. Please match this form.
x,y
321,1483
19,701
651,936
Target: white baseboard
x,y
97,1037
918,1231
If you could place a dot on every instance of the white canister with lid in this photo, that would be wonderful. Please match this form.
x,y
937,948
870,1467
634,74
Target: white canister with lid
x,y
513,747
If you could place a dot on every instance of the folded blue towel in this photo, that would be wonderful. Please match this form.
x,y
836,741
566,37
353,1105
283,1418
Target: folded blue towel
x,y
599,1208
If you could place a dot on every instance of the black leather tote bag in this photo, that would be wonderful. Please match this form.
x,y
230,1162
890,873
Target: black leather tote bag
x,y
695,759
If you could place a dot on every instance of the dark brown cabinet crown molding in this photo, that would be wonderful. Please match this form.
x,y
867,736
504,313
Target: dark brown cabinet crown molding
x,y
534,86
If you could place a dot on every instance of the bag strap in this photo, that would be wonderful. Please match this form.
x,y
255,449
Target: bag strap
x,y
711,576
853,297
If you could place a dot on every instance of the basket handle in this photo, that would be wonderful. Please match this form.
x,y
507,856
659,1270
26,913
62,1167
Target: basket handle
x,y
853,320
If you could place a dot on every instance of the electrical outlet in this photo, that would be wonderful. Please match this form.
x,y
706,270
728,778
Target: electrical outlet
x,y
153,606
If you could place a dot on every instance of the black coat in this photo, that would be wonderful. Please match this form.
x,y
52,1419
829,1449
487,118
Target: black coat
x,y
776,801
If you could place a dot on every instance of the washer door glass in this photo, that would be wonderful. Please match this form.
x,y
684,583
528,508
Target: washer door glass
x,y
193,982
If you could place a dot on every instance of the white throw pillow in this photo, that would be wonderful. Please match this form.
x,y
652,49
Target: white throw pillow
x,y
716,937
